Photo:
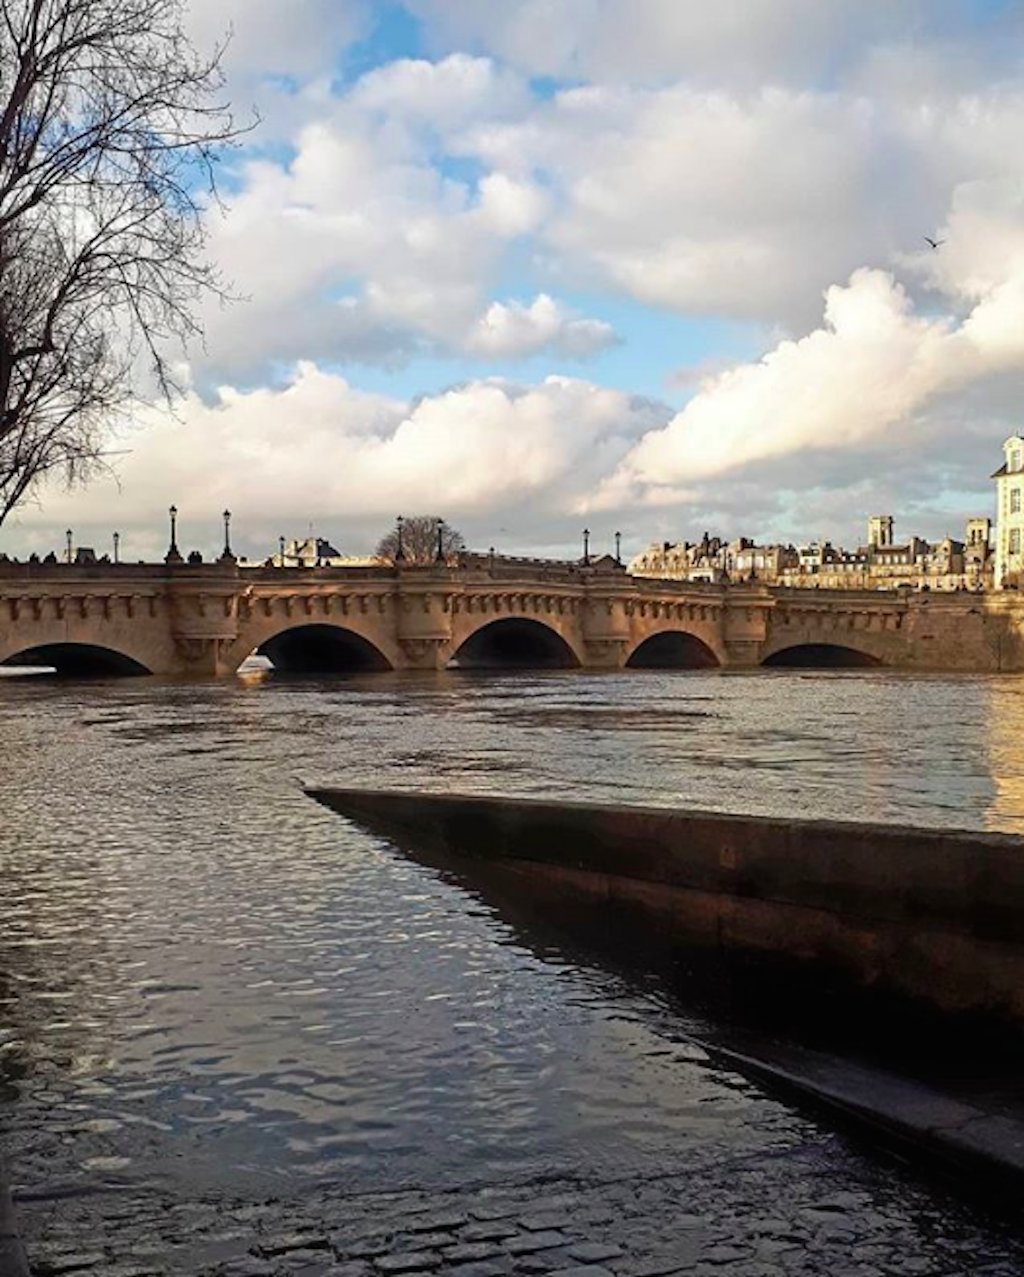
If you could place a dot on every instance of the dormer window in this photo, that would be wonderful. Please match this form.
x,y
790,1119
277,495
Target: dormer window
x,y
1013,464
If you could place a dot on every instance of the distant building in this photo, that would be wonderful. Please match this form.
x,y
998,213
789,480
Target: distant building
x,y
1010,515
881,564
311,552
880,529
978,554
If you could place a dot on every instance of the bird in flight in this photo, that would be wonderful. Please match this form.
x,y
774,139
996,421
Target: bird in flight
x,y
934,242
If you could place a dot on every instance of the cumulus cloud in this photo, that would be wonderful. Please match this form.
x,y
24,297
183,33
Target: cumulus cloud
x,y
279,56
299,38
739,43
408,196
320,446
745,206
515,331
875,364
357,246
442,95
689,159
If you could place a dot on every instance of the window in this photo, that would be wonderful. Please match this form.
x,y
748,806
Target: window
x,y
1015,500
1014,460
1015,540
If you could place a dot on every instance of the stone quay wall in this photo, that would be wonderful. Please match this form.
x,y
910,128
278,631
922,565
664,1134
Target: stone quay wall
x,y
894,918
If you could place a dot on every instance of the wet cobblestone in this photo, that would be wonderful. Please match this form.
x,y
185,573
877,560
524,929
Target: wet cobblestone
x,y
823,1209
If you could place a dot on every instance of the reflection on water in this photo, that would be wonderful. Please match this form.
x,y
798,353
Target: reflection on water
x,y
207,979
1005,755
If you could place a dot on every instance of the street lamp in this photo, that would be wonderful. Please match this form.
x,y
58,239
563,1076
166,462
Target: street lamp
x,y
227,556
68,536
400,549
117,546
439,554
173,554
618,548
586,547
280,549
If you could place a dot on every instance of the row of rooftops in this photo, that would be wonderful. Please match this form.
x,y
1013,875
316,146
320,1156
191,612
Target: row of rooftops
x,y
714,557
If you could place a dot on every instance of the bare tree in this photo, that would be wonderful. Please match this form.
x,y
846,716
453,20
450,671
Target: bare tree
x,y
419,541
109,134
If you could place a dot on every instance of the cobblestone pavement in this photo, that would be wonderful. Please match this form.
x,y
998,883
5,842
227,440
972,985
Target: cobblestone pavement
x,y
824,1208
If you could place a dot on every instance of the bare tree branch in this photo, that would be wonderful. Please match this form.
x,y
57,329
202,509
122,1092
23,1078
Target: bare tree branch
x,y
110,132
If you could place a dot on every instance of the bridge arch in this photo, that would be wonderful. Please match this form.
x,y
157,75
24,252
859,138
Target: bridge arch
x,y
515,642
671,649
321,649
78,660
821,656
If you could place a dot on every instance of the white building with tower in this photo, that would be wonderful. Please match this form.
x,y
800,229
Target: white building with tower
x,y
1009,569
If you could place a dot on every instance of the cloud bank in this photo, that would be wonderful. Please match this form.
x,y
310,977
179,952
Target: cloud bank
x,y
503,234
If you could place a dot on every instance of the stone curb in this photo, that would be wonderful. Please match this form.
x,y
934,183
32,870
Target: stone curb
x,y
976,1147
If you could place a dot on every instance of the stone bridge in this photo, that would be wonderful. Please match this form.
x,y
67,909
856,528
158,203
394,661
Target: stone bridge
x,y
207,619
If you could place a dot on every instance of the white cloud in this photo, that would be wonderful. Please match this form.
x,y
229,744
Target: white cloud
x,y
280,56
738,42
875,366
358,246
340,456
298,38
515,331
704,161
410,195
744,205
444,95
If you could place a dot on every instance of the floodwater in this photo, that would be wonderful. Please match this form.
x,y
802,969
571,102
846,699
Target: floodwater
x,y
209,982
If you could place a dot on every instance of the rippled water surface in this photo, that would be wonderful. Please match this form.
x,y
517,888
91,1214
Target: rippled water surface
x,y
206,979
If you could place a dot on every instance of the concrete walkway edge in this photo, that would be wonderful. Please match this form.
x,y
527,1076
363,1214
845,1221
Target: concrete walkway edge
x,y
955,1136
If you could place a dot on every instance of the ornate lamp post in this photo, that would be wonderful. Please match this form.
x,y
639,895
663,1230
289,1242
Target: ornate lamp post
x,y
618,548
68,536
227,556
439,554
280,549
173,554
400,548
586,547
490,558
117,547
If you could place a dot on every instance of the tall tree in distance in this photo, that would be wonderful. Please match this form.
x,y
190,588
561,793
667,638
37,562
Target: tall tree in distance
x,y
109,132
419,542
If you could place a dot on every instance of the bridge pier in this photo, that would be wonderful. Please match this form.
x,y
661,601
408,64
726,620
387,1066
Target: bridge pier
x,y
746,622
742,654
204,619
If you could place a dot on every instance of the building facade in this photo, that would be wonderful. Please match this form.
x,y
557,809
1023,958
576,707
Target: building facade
x,y
1009,556
881,564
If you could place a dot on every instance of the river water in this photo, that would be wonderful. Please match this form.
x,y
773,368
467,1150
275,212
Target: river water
x,y
208,982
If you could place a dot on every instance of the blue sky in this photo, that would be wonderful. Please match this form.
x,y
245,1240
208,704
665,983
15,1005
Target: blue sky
x,y
644,265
